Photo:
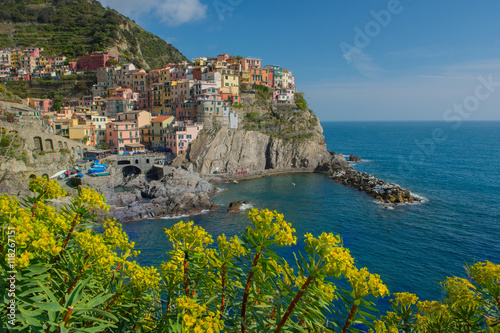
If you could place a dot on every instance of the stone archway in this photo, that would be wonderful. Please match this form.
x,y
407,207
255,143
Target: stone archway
x,y
131,170
48,145
59,144
38,143
65,145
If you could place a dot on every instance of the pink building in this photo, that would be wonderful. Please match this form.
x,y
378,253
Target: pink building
x,y
179,139
122,135
34,52
94,61
284,96
222,57
44,105
250,63
126,93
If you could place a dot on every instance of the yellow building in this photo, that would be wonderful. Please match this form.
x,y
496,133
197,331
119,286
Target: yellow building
x,y
244,77
62,125
230,77
159,126
164,75
146,138
15,57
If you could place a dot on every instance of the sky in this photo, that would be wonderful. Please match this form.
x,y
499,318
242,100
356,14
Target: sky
x,y
355,60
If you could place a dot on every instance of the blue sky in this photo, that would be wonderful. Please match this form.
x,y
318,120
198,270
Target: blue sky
x,y
412,60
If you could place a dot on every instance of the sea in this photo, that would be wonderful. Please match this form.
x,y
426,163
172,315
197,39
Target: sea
x,y
453,168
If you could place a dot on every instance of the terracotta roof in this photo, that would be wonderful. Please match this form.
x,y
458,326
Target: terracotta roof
x,y
161,118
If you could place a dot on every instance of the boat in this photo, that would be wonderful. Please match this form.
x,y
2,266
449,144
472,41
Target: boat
x,y
99,174
97,170
57,174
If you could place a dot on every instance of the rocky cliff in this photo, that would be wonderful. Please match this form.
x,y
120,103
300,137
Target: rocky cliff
x,y
268,138
231,151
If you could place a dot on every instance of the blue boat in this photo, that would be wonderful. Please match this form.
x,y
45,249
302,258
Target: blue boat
x,y
97,169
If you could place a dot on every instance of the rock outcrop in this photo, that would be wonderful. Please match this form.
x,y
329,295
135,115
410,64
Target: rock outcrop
x,y
235,206
379,189
178,193
353,158
231,151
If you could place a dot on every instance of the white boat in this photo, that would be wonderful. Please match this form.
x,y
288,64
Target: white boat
x,y
57,174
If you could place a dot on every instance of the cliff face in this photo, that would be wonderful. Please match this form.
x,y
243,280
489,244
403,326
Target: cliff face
x,y
235,150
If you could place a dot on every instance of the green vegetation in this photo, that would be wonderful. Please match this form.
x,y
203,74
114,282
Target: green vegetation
x,y
103,145
7,95
263,93
74,28
253,117
300,101
10,144
73,278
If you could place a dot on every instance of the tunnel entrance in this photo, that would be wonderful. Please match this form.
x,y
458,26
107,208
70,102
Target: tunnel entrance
x,y
130,170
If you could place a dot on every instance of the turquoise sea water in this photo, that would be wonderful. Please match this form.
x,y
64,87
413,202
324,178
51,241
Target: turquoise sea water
x,y
456,170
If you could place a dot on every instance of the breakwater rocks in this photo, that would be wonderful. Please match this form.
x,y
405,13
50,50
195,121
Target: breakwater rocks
x,y
379,189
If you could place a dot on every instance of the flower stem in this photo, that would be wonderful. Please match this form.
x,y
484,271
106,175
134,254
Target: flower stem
x,y
68,315
223,296
349,318
34,207
186,280
77,216
293,304
247,290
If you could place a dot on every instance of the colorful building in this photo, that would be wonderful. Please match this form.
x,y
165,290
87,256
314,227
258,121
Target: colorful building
x,y
94,61
179,139
44,105
119,134
250,63
159,127
284,96
141,118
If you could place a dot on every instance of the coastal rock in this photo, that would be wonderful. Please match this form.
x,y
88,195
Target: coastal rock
x,y
176,182
187,203
235,206
353,158
379,189
127,199
230,151
179,192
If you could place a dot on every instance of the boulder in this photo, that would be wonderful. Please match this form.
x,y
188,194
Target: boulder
x,y
353,158
235,206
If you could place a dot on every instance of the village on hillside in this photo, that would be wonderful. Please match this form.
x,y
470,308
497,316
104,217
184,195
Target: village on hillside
x,y
132,110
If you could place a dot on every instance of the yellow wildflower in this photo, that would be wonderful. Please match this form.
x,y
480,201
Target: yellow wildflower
x,y
271,224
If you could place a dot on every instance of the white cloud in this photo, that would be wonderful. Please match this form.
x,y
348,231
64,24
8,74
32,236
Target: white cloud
x,y
170,12
177,12
363,63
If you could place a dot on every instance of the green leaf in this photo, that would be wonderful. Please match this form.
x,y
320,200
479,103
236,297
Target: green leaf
x,y
50,306
98,300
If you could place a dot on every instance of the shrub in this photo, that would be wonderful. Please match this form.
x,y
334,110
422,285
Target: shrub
x,y
253,117
70,276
